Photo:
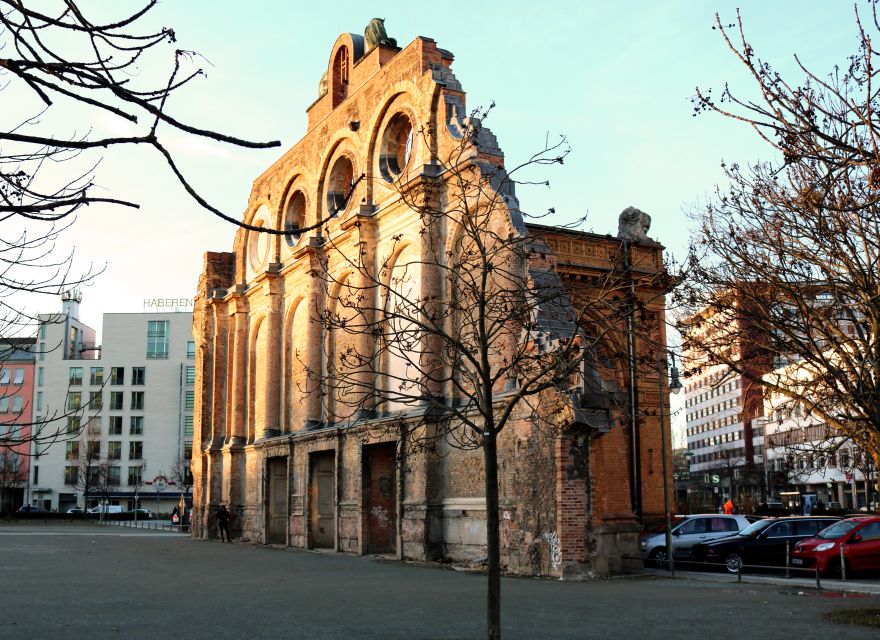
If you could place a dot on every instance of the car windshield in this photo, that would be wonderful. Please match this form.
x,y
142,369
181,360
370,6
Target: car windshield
x,y
755,528
837,530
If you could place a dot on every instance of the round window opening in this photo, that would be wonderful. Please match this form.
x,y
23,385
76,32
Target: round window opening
x,y
339,185
258,246
397,143
294,217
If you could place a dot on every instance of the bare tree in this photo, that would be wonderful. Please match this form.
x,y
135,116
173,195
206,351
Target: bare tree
x,y
13,476
784,276
66,71
181,475
86,454
451,340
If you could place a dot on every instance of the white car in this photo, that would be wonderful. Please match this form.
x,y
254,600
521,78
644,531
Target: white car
x,y
106,508
691,530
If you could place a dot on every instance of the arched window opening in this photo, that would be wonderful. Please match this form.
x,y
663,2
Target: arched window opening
x,y
339,185
340,76
396,149
294,218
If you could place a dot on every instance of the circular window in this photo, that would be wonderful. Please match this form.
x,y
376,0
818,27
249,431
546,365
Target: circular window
x,y
396,147
258,246
294,217
339,185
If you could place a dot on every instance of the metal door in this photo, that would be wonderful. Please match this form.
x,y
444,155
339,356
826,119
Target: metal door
x,y
322,499
276,501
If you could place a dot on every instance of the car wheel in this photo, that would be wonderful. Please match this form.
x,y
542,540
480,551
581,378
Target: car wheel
x,y
659,557
734,562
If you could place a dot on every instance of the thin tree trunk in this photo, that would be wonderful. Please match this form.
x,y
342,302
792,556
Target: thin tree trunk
x,y
493,540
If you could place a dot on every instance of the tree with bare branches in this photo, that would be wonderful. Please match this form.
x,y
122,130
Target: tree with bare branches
x,y
446,343
71,77
784,282
13,477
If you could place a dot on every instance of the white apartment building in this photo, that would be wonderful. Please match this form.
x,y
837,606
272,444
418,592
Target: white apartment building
x,y
129,400
808,462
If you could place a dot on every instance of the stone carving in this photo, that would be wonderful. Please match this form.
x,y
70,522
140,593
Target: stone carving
x,y
375,35
322,86
633,224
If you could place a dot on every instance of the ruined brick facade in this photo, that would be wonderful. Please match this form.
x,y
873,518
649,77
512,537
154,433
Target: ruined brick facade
x,y
267,442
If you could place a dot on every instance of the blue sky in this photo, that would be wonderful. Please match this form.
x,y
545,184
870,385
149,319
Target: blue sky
x,y
614,77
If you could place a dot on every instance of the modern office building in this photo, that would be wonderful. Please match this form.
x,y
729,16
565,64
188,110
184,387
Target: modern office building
x,y
16,413
115,420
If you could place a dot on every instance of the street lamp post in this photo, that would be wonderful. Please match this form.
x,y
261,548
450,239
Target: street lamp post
x,y
674,387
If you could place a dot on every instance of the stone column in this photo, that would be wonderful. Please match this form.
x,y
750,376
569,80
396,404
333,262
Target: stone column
x,y
219,363
237,400
274,345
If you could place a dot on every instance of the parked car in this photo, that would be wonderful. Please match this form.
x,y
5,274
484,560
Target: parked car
x,y
76,510
763,543
106,508
142,514
690,531
860,538
30,508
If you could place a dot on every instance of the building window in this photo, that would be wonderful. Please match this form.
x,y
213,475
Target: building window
x,y
96,400
157,338
36,475
19,375
113,476
74,401
42,332
190,400
72,450
96,376
94,449
135,476
188,450
5,376
40,377
190,375
4,405
76,376
116,400
17,404
115,426
39,400
117,375
42,351
73,424
71,475
114,450
94,475
135,450
93,425
188,426
137,400
137,426
138,376
190,349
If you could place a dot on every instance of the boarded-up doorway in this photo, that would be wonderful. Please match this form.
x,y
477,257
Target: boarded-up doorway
x,y
380,499
322,499
276,501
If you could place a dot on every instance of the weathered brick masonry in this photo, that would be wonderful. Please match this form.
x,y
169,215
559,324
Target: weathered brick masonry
x,y
293,470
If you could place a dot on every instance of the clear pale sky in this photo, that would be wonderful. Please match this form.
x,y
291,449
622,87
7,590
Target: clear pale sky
x,y
615,77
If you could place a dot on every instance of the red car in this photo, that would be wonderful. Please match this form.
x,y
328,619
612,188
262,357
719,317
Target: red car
x,y
860,538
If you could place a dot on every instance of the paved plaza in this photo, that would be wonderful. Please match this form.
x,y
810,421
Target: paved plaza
x,y
86,581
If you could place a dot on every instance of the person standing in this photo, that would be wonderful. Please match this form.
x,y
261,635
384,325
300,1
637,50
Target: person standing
x,y
223,517
728,507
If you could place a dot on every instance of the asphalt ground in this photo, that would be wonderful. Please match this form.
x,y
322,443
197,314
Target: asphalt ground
x,y
87,581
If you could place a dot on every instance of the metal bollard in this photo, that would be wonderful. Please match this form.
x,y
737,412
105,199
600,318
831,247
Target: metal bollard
x,y
842,565
818,583
787,559
739,573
